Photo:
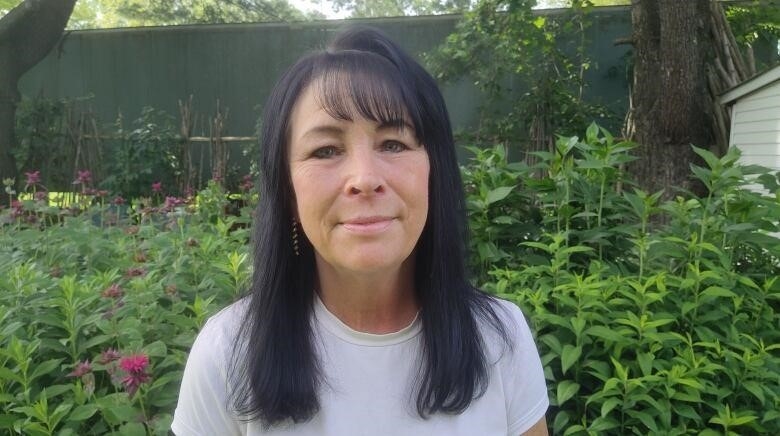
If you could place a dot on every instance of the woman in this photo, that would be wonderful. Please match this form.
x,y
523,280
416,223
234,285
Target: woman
x,y
361,320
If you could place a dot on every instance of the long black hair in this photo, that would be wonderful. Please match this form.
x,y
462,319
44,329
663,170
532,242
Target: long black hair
x,y
275,372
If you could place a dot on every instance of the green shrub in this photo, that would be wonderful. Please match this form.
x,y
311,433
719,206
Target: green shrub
x,y
650,318
96,319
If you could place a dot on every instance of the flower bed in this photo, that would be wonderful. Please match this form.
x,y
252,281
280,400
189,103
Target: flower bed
x,y
98,309
652,317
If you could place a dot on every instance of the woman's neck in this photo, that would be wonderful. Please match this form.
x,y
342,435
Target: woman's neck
x,y
381,302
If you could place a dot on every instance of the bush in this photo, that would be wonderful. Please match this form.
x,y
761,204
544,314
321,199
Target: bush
x,y
650,318
96,319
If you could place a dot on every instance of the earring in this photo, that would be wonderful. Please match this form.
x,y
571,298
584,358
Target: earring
x,y
295,237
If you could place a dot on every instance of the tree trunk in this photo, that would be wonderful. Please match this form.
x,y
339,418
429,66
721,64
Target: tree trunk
x,y
672,108
27,35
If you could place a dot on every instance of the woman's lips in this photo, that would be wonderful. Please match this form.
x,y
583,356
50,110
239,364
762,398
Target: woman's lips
x,y
373,224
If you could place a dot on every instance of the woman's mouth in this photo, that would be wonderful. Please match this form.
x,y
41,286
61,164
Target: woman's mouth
x,y
367,225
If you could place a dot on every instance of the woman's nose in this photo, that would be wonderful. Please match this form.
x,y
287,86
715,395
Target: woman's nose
x,y
364,175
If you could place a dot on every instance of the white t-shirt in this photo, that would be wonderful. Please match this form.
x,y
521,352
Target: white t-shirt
x,y
369,383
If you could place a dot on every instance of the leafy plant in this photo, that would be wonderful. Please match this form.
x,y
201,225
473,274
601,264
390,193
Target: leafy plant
x,y
646,327
96,317
531,68
144,155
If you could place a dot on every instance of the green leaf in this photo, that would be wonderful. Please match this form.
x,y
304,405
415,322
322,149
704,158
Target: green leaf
x,y
566,390
645,363
742,420
686,411
560,422
156,349
56,390
96,340
713,292
132,429
7,374
504,220
569,356
83,412
645,418
592,133
498,194
59,413
602,424
708,156
609,405
7,421
45,368
610,336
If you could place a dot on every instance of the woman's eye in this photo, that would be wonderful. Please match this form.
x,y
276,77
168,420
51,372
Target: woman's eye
x,y
325,152
394,146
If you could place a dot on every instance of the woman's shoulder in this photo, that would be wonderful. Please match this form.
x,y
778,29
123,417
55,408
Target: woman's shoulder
x,y
505,330
507,313
221,328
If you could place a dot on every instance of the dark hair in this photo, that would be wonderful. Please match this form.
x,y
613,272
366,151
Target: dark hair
x,y
275,371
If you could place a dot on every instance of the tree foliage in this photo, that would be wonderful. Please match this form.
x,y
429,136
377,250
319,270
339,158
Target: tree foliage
x,y
756,22
132,13
530,66
394,8
167,12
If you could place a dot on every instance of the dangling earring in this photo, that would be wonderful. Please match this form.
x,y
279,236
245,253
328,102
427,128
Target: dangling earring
x,y
295,237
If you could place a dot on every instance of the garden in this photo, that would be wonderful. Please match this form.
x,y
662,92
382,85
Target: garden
x,y
652,317
655,311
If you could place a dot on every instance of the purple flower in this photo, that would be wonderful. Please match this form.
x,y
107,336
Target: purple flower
x,y
81,369
135,272
246,183
113,291
118,201
172,202
33,178
157,187
134,367
83,178
109,356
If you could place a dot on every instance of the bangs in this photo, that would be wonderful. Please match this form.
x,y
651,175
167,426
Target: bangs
x,y
351,84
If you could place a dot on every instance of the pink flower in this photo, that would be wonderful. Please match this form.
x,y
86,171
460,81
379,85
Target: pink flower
x,y
113,291
55,271
118,201
135,272
33,177
172,202
246,183
17,209
134,367
134,363
81,369
109,356
134,381
157,187
83,178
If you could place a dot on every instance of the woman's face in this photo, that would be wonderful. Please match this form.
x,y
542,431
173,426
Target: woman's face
x,y
361,188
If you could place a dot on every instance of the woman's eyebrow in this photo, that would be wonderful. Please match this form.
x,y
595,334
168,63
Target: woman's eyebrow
x,y
395,125
325,129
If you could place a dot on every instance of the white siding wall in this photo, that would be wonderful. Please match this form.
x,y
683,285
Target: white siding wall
x,y
755,126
